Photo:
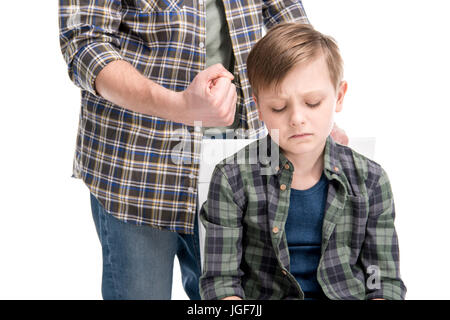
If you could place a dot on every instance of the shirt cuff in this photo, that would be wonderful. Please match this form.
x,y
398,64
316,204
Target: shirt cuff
x,y
388,291
90,60
217,288
221,293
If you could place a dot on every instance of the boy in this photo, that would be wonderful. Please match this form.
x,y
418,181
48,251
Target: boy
x,y
321,226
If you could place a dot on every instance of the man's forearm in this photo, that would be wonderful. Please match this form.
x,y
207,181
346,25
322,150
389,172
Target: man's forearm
x,y
120,83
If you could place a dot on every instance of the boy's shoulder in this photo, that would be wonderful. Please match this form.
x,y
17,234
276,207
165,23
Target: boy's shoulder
x,y
361,173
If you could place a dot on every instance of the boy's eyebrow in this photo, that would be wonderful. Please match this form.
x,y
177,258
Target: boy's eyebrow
x,y
275,98
284,97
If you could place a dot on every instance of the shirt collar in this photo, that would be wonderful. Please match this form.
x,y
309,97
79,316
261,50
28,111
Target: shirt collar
x,y
332,164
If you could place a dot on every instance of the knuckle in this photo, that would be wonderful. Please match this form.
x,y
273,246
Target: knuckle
x,y
215,104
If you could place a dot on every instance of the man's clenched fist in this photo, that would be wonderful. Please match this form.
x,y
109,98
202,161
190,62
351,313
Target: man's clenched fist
x,y
210,98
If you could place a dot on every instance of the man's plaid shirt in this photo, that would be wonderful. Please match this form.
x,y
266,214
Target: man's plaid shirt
x,y
246,252
144,169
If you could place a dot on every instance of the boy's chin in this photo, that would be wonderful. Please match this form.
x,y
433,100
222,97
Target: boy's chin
x,y
295,148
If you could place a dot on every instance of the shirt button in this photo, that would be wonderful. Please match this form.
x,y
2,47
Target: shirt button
x,y
191,176
190,189
275,230
283,187
200,2
197,129
201,45
286,166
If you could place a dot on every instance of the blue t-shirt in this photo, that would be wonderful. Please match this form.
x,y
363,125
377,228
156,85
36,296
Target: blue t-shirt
x,y
304,235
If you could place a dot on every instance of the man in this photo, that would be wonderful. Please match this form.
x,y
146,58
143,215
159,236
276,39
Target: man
x,y
146,91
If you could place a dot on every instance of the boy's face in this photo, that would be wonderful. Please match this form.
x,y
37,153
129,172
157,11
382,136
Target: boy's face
x,y
303,110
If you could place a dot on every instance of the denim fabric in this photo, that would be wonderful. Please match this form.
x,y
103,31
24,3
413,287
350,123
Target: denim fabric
x,y
138,260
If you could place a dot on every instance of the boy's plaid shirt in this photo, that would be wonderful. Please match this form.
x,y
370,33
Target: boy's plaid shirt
x,y
246,253
142,168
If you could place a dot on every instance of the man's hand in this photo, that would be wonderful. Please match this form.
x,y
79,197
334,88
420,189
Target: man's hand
x,y
211,98
339,135
232,298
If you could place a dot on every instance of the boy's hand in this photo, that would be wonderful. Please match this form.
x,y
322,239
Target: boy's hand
x,y
339,135
232,298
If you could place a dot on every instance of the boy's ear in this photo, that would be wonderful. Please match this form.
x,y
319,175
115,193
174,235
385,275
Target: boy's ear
x,y
257,107
342,90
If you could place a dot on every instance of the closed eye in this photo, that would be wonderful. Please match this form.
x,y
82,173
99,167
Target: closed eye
x,y
313,105
278,110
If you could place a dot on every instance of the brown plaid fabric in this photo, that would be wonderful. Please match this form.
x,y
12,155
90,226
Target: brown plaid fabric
x,y
144,169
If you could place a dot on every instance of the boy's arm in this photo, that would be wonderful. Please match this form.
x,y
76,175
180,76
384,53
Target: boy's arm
x,y
221,215
380,251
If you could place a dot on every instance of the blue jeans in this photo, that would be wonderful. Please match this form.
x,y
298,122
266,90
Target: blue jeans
x,y
138,260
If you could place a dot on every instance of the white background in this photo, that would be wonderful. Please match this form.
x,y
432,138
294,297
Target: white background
x,y
396,62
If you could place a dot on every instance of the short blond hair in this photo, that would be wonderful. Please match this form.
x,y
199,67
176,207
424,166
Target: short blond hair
x,y
286,45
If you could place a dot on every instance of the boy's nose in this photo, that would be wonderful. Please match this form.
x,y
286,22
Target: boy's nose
x,y
297,118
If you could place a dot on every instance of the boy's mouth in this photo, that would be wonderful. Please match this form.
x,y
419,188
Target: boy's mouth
x,y
300,135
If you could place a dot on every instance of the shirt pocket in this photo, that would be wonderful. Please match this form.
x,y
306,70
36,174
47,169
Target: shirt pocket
x,y
358,212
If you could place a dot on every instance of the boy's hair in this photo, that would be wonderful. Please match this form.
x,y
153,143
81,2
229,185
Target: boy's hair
x,y
286,45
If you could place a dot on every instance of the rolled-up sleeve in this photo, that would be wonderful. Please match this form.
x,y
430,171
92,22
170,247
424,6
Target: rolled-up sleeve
x,y
380,251
278,11
88,33
221,216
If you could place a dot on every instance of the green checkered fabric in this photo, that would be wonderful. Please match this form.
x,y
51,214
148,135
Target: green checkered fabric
x,y
246,252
